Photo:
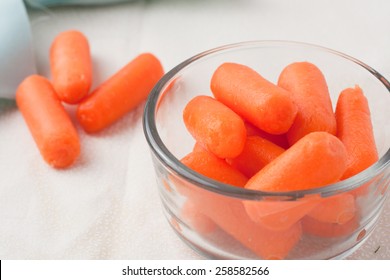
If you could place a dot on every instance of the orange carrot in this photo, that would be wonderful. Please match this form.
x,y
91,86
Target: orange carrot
x,y
355,130
199,222
215,126
71,66
310,93
229,213
49,124
279,215
215,168
198,147
280,140
327,230
260,102
338,209
119,94
316,160
257,153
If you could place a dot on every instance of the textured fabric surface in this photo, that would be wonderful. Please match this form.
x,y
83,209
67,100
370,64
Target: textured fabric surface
x,y
107,206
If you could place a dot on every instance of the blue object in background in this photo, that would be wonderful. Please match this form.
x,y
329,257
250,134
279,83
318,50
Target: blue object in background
x,y
49,3
16,49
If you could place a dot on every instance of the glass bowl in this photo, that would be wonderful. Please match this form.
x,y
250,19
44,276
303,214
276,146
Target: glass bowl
x,y
210,216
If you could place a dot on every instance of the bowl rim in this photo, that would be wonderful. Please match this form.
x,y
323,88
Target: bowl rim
x,y
174,165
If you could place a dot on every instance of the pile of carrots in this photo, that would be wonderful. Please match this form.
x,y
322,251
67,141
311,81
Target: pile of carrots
x,y
40,100
281,137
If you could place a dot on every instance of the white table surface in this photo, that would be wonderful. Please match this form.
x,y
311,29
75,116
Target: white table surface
x,y
107,206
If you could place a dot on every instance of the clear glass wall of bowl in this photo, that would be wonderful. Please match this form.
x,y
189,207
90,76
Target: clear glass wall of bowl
x,y
210,216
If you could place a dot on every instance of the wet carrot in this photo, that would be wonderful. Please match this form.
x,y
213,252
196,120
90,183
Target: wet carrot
x,y
355,130
215,126
119,94
229,213
280,140
260,102
191,214
257,153
338,209
71,66
309,90
318,159
315,227
48,122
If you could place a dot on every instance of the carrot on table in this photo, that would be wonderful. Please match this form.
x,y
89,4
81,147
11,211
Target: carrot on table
x,y
257,153
214,125
119,94
355,130
316,160
48,122
229,213
309,91
71,66
338,209
259,101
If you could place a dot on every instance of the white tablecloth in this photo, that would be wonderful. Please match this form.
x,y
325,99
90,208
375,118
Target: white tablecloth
x,y
107,206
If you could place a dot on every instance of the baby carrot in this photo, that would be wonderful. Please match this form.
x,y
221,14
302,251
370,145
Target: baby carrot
x,y
48,122
338,209
199,222
310,93
257,153
355,130
229,213
280,215
71,66
280,140
315,227
318,159
119,94
215,126
215,168
198,147
260,102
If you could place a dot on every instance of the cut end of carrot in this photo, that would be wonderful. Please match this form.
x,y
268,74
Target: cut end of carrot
x,y
89,119
62,157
